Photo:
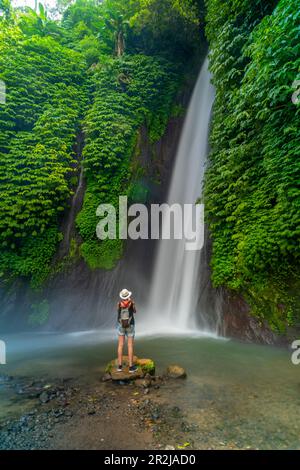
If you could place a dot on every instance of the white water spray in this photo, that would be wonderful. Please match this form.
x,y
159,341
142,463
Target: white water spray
x,y
175,289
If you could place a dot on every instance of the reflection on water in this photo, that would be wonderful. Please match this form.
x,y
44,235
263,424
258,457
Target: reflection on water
x,y
234,392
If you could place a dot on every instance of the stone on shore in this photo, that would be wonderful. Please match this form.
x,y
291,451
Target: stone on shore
x,y
176,372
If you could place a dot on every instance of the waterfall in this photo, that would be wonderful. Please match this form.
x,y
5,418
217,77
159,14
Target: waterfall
x,y
174,293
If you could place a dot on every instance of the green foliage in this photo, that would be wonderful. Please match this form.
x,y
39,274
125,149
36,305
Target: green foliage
x,y
147,366
88,70
138,193
104,254
32,259
167,27
127,93
84,30
178,111
38,125
251,193
6,10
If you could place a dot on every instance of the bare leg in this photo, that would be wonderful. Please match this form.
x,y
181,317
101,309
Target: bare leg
x,y
130,351
120,349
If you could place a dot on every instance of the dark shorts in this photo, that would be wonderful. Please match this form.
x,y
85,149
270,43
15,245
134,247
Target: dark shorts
x,y
129,332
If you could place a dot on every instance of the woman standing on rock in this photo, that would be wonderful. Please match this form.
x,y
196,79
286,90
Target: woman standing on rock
x,y
126,311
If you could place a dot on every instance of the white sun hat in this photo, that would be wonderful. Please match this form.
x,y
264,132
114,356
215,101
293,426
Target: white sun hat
x,y
125,294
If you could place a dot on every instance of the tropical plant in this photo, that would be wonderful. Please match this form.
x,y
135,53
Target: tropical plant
x,y
251,194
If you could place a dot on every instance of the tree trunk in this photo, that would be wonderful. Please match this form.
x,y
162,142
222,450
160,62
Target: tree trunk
x,y
120,44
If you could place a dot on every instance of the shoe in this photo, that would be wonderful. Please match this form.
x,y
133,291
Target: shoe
x,y
119,368
133,369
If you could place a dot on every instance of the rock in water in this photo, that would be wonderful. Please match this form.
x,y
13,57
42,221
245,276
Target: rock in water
x,y
176,372
144,383
44,397
106,377
125,375
147,366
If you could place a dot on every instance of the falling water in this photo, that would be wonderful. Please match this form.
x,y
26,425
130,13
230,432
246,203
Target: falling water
x,y
175,289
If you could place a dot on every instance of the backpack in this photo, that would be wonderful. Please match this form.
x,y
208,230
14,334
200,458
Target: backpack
x,y
124,313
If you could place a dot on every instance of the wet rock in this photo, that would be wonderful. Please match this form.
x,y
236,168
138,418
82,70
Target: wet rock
x,y
146,383
185,427
176,409
141,383
33,393
125,375
106,377
122,382
176,372
44,397
144,367
147,366
5,378
58,413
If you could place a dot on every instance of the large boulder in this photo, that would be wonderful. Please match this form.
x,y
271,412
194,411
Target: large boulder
x,y
144,367
176,372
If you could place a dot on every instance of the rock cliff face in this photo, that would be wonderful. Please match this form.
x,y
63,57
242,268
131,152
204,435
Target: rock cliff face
x,y
228,313
239,324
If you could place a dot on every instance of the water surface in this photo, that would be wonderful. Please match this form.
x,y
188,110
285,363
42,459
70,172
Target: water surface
x,y
240,394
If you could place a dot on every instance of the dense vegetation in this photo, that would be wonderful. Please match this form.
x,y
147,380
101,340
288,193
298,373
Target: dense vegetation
x,y
38,126
127,93
252,185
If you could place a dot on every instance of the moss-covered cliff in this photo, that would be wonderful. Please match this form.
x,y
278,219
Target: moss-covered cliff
x,y
251,192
